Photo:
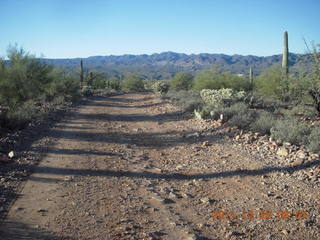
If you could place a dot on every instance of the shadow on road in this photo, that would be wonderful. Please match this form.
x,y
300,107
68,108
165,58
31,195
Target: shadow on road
x,y
170,176
20,231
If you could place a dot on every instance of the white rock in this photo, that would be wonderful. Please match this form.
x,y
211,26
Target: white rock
x,y
11,154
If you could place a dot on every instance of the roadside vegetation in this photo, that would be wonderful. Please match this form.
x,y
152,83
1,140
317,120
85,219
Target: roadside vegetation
x,y
30,88
283,105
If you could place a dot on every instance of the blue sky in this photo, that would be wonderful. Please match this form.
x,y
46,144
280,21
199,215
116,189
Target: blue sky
x,y
82,28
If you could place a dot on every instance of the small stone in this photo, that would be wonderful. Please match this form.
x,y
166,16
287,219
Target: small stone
x,y
187,195
158,198
11,154
301,155
174,195
285,232
191,237
206,144
283,152
205,200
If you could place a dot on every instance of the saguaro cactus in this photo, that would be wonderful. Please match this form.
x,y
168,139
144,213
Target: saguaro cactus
x,y
81,73
285,56
250,75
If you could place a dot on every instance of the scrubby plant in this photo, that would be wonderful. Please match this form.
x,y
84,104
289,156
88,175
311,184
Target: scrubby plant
x,y
228,112
300,111
132,82
160,87
314,139
225,96
272,83
114,83
19,116
189,100
290,130
242,116
182,81
214,78
263,123
87,91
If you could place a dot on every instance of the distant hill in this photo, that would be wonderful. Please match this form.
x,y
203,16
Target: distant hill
x,y
165,65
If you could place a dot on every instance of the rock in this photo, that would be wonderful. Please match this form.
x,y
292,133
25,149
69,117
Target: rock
x,y
206,144
282,151
174,195
158,198
205,200
301,154
237,138
284,232
298,162
11,154
41,210
191,237
309,174
187,195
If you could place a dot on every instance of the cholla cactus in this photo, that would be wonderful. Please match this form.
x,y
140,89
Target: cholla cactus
x,y
222,96
160,87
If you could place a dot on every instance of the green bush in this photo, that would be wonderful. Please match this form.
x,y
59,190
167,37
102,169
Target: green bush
x,y
272,83
132,82
182,81
63,84
114,83
215,79
314,140
290,130
23,78
264,122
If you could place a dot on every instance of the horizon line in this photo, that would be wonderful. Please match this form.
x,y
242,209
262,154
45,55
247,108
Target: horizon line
x,y
158,53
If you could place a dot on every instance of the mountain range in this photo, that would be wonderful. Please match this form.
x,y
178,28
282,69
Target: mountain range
x,y
167,64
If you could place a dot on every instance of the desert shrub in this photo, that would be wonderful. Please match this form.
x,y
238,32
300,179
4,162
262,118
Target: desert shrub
x,y
87,91
189,100
20,116
98,81
263,123
290,130
160,87
215,79
23,78
224,96
300,110
241,115
63,84
272,83
314,140
132,82
182,81
228,112
114,83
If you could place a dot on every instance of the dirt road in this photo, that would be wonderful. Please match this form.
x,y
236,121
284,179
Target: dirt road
x,y
132,167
